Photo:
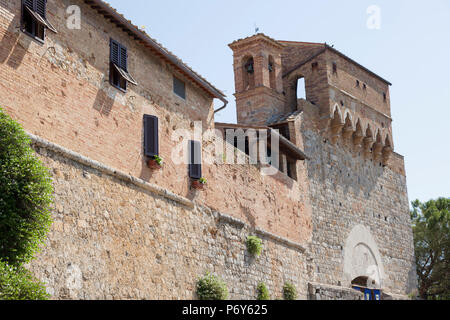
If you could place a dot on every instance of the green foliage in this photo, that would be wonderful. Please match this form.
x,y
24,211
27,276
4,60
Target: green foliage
x,y
16,283
210,287
263,292
202,181
25,195
254,245
158,160
431,225
289,291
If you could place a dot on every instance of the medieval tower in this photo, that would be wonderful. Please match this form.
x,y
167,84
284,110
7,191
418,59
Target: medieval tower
x,y
361,233
101,101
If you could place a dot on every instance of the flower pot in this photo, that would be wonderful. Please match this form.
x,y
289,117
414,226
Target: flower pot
x,y
153,164
197,185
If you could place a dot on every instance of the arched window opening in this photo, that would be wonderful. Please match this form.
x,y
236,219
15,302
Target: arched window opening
x,y
301,88
272,73
249,73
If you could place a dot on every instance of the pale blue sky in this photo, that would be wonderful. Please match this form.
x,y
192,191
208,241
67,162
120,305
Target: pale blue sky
x,y
411,50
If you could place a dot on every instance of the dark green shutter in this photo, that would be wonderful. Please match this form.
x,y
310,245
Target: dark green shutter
x,y
151,139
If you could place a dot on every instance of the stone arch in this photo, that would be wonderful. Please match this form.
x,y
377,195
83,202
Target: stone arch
x,y
378,137
369,133
388,141
292,89
348,119
362,258
248,72
358,135
336,110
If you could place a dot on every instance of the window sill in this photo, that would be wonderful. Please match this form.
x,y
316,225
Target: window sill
x,y
179,97
118,88
37,39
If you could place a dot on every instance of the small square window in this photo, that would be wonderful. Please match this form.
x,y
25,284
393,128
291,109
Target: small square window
x,y
179,87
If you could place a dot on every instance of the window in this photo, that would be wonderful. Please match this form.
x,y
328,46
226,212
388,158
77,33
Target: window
x,y
179,87
334,68
195,159
301,88
357,83
119,76
248,73
272,73
151,140
364,86
314,66
384,97
34,21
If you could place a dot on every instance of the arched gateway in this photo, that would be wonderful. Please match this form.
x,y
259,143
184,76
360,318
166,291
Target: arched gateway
x,y
363,268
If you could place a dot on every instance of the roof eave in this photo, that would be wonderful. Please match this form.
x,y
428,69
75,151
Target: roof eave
x,y
139,34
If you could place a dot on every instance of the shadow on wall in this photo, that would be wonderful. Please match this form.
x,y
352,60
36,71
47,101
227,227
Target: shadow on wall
x,y
103,103
14,45
340,166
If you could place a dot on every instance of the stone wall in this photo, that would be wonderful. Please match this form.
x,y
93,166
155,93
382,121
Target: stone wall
x,y
118,237
317,291
348,190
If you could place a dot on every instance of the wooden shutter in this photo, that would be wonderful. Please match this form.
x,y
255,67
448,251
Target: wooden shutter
x,y
151,139
29,4
195,157
179,87
123,58
41,7
115,52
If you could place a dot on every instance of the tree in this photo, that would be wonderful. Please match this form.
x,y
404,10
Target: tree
x,y
25,218
432,247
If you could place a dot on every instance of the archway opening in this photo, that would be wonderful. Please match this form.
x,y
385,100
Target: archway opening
x,y
301,88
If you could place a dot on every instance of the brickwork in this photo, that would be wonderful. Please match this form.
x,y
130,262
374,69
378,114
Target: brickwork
x,y
60,91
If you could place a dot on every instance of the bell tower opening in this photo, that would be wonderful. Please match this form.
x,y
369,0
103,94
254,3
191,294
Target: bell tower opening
x,y
248,73
272,73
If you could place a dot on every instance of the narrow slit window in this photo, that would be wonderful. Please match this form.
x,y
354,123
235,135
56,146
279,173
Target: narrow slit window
x,y
34,19
119,75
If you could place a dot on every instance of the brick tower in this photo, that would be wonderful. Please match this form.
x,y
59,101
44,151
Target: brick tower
x,y
258,79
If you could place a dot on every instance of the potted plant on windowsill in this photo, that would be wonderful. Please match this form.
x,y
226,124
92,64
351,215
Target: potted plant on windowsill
x,y
199,184
155,163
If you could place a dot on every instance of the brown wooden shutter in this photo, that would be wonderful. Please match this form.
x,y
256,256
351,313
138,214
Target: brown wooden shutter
x,y
115,52
151,138
41,7
195,157
123,58
29,4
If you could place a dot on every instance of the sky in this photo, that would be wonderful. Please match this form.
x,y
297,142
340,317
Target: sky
x,y
411,49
